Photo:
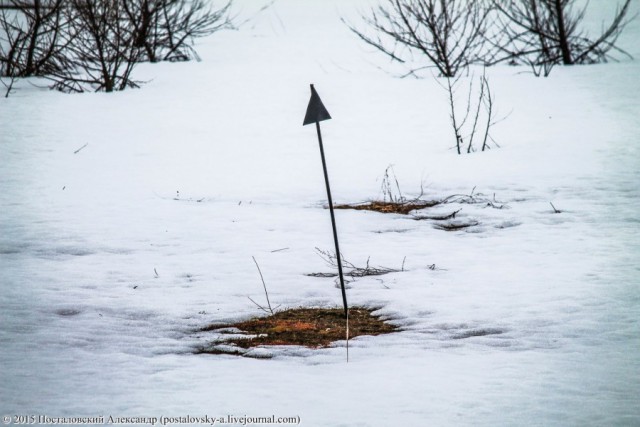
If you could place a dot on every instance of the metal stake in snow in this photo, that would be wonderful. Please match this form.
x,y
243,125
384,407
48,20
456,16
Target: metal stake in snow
x,y
316,112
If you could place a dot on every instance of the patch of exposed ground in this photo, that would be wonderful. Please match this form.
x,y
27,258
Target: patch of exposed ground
x,y
390,207
309,327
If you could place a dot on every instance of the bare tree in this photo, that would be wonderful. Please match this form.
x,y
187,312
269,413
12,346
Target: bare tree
x,y
101,48
31,42
449,33
544,33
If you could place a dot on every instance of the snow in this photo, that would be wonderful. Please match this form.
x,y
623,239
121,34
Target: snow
x,y
112,257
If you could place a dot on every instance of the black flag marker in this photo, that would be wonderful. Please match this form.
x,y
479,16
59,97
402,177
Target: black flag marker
x,y
316,112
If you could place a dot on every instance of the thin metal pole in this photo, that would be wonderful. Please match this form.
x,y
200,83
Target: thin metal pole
x,y
333,222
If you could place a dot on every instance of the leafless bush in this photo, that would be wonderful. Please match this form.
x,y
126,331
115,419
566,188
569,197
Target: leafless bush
x,y
166,29
449,33
544,33
101,48
95,44
31,42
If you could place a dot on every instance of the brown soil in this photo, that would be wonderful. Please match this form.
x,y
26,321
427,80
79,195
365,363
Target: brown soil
x,y
310,327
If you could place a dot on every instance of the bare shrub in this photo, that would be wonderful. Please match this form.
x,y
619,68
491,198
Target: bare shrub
x,y
166,29
101,48
95,44
31,42
449,34
544,33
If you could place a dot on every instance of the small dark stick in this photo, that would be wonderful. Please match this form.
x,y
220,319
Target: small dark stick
x,y
316,112
80,149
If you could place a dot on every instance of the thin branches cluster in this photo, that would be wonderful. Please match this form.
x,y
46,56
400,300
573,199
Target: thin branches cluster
x,y
448,36
472,126
352,271
544,33
95,44
449,33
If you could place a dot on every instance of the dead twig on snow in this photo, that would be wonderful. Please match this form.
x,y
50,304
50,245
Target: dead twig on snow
x,y
266,293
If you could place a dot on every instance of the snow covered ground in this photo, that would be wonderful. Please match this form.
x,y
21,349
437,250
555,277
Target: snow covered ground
x,y
111,257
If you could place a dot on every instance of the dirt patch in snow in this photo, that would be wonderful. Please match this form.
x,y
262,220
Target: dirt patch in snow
x,y
390,207
401,205
308,327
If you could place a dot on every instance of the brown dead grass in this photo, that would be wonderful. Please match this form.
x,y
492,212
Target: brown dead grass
x,y
391,207
309,327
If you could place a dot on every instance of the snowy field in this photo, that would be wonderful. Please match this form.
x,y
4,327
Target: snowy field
x,y
111,257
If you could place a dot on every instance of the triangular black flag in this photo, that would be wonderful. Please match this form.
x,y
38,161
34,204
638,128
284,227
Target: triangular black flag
x,y
316,111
